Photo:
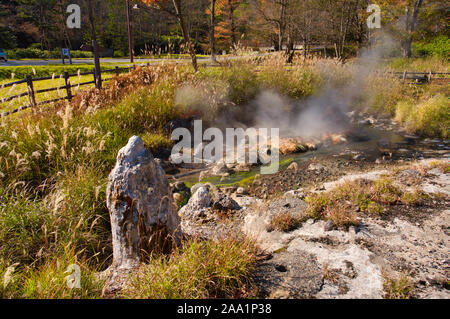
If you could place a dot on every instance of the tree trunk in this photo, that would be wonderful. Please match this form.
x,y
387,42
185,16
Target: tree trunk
x,y
410,27
232,26
187,39
213,24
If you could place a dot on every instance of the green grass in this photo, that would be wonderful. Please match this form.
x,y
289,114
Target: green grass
x,y
201,269
50,280
14,73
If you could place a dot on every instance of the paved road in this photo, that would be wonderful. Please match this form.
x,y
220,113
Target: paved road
x,y
91,61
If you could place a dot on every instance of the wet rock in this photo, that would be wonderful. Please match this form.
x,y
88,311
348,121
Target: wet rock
x,y
220,169
140,203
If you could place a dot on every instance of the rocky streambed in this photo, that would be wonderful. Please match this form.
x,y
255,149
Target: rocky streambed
x,y
402,251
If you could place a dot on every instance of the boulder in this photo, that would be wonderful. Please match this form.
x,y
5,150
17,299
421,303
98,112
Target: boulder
x,y
140,203
224,202
197,204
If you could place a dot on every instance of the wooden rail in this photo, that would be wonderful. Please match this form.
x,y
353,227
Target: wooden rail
x,y
419,77
31,92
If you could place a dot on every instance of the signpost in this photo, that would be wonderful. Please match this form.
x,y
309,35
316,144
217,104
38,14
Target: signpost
x,y
65,52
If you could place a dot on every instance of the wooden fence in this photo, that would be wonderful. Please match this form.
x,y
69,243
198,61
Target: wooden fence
x,y
31,92
419,77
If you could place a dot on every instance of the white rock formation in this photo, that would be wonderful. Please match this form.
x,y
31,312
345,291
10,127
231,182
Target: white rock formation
x,y
140,202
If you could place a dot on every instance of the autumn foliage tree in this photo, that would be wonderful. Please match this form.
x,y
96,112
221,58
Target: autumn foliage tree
x,y
177,5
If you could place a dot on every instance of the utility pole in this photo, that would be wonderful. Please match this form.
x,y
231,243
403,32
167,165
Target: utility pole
x,y
97,72
130,33
213,23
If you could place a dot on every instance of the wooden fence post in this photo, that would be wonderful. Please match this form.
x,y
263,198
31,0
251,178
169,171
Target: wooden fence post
x,y
404,75
68,86
98,75
117,70
95,77
429,77
31,90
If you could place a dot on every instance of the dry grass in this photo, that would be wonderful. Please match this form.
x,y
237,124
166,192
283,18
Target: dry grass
x,y
284,222
342,203
398,288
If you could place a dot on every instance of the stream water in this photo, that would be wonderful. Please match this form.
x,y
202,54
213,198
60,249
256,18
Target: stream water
x,y
370,143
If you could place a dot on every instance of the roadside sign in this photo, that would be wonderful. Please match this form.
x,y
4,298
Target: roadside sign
x,y
65,52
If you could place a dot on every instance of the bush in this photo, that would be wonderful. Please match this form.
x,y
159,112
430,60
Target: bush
x,y
439,46
398,288
35,52
118,54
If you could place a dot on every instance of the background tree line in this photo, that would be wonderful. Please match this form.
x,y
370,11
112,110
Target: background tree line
x,y
218,25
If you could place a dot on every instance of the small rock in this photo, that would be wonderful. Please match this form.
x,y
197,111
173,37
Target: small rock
x,y
178,198
316,167
293,166
241,191
298,193
195,187
329,225
179,186
225,202
359,157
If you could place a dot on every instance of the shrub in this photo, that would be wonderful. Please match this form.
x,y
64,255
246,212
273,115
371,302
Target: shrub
x,y
439,46
398,288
